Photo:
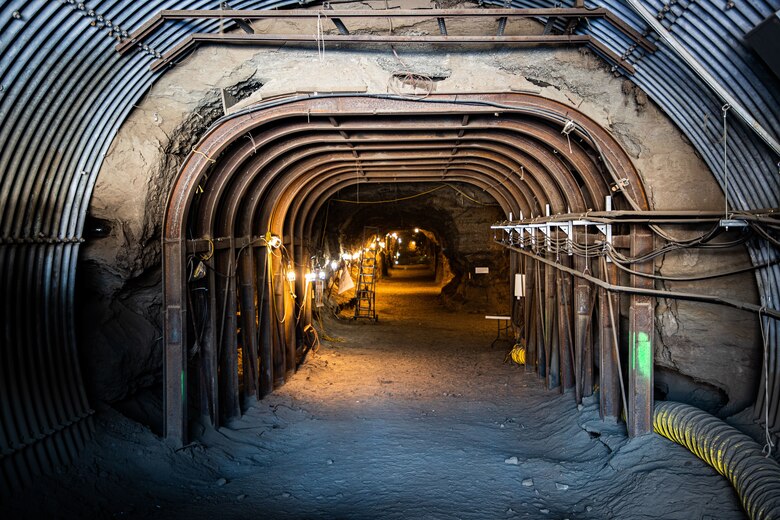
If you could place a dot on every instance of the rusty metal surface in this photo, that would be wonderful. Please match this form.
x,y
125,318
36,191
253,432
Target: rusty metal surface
x,y
280,180
59,72
193,40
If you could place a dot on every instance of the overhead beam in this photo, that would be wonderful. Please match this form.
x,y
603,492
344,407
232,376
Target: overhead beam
x,y
193,40
145,30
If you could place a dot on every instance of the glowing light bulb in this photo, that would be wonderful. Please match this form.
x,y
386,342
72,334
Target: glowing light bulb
x,y
382,245
290,275
416,230
346,257
310,277
321,274
334,265
400,241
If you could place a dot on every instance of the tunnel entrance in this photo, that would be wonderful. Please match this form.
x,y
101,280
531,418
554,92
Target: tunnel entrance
x,y
272,196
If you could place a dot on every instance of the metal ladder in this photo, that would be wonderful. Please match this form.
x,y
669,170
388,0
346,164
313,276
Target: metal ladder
x,y
365,291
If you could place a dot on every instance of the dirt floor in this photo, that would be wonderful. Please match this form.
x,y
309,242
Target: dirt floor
x,y
413,417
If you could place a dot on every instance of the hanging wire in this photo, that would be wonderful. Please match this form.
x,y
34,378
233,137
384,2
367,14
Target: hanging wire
x,y
725,109
769,445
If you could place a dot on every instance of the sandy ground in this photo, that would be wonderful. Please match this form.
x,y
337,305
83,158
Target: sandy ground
x,y
413,417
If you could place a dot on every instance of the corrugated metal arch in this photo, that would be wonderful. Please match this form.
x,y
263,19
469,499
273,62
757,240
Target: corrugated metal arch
x,y
64,93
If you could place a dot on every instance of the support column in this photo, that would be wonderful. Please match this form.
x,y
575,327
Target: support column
x,y
541,353
529,315
248,321
175,341
583,342
227,333
609,374
279,286
565,339
550,332
208,357
641,333
265,384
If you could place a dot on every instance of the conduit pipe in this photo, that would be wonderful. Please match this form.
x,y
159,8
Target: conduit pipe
x,y
731,453
704,298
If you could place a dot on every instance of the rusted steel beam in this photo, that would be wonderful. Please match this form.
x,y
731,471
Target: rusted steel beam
x,y
551,340
541,332
143,32
279,285
248,294
265,383
641,335
529,316
151,25
583,342
175,340
226,325
209,357
565,337
609,368
193,40
221,138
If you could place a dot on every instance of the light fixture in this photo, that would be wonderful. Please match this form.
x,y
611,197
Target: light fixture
x,y
400,241
321,274
334,265
373,246
346,257
290,274
394,235
273,241
416,230
310,277
382,245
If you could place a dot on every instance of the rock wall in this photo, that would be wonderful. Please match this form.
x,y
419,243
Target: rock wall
x,y
709,348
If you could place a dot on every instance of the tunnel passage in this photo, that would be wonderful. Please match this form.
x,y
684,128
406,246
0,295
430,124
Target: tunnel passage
x,y
248,196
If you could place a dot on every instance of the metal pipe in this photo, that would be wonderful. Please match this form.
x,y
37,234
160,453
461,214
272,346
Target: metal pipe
x,y
704,298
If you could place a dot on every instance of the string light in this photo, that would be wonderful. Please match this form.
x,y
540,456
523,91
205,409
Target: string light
x,y
334,265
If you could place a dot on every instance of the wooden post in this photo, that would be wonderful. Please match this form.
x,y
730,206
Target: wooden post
x,y
609,376
641,333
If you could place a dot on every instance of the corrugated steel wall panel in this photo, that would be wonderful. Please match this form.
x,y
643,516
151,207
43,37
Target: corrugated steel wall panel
x,y
64,93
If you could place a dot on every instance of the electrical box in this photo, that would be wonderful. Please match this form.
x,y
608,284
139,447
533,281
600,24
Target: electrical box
x,y
481,270
519,285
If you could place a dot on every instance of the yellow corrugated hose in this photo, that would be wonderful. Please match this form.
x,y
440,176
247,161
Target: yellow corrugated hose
x,y
517,354
733,454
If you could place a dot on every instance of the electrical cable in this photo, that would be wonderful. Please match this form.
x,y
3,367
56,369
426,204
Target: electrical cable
x,y
704,298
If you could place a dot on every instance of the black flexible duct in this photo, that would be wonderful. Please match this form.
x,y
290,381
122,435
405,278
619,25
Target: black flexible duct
x,y
733,454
